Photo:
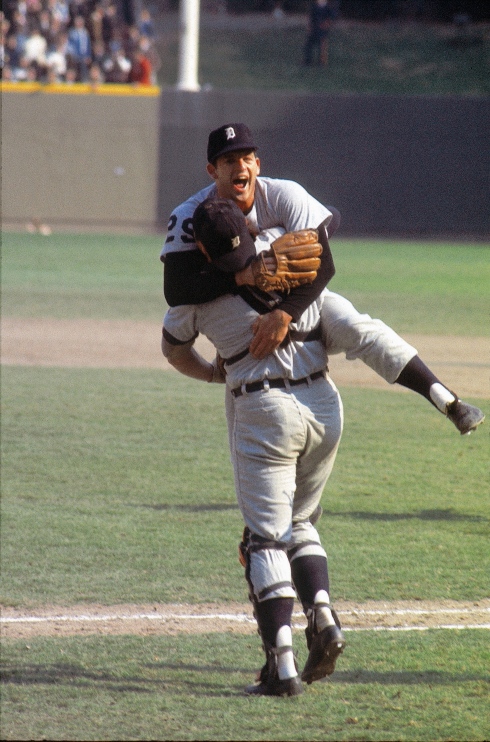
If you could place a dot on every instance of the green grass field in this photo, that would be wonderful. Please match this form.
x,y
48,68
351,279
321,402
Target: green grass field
x,y
117,488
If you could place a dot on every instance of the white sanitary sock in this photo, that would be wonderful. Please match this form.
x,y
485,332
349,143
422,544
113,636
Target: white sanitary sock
x,y
441,397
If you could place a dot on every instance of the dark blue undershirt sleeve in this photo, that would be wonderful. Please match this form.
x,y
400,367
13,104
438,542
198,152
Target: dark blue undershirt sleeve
x,y
189,279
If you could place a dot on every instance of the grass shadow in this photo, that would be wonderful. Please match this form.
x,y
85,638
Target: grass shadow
x,y
404,677
436,515
191,678
188,508
62,673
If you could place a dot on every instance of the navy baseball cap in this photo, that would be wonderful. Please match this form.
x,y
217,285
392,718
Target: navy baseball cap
x,y
221,227
229,138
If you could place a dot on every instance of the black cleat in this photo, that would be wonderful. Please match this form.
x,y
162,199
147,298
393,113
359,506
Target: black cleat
x,y
276,687
325,646
268,681
464,416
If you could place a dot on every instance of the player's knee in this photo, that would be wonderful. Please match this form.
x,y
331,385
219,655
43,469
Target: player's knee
x,y
305,541
269,569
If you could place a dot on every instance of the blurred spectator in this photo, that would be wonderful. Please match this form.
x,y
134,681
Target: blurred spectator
x,y
4,27
145,24
19,28
80,48
100,55
150,51
109,23
8,9
78,8
140,72
320,20
71,75
35,47
118,66
95,75
44,23
35,54
7,73
32,12
132,40
12,55
76,40
56,60
95,25
60,11
4,31
57,29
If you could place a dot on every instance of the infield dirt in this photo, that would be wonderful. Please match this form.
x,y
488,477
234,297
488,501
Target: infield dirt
x,y
463,363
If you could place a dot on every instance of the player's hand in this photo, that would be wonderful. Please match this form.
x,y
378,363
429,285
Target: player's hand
x,y
269,331
246,275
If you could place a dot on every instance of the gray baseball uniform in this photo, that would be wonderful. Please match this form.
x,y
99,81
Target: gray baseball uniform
x,y
284,435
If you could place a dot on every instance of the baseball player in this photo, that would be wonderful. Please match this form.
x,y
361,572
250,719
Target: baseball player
x,y
270,203
285,429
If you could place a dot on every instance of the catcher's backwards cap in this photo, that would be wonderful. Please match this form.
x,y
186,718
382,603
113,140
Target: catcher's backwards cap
x,y
221,227
229,138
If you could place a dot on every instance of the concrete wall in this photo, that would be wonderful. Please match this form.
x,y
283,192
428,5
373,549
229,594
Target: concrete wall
x,y
393,165
80,161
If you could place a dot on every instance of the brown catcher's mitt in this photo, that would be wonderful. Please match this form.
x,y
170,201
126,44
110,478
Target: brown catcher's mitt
x,y
296,255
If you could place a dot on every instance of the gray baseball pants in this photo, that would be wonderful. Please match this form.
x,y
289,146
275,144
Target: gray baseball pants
x,y
345,330
284,445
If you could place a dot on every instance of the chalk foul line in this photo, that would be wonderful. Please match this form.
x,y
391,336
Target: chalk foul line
x,y
243,618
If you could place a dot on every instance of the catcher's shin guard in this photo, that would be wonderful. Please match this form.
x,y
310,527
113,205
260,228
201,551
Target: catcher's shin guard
x,y
244,559
251,544
273,616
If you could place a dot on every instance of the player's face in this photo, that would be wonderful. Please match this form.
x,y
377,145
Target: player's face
x,y
235,174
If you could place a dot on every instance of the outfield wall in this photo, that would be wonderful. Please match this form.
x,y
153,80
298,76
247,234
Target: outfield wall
x,y
79,159
394,165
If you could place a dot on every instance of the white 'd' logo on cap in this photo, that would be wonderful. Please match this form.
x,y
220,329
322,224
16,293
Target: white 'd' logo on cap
x,y
235,241
230,132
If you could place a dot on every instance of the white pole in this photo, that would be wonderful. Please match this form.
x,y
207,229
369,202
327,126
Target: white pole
x,y
188,45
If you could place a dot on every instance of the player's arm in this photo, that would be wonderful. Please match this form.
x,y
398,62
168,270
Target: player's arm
x,y
271,329
300,298
185,359
182,355
189,279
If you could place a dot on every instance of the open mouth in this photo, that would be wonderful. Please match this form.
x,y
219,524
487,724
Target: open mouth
x,y
240,183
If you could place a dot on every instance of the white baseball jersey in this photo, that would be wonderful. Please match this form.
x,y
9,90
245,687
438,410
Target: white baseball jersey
x,y
278,203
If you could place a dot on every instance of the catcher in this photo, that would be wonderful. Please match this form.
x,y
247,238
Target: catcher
x,y
285,418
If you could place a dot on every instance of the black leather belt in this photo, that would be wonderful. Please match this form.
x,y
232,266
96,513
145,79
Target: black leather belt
x,y
257,386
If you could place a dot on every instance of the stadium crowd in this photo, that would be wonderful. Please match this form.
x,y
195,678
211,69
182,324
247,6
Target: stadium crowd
x,y
67,41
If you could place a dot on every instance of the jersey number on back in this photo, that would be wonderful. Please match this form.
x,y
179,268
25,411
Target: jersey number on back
x,y
187,235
